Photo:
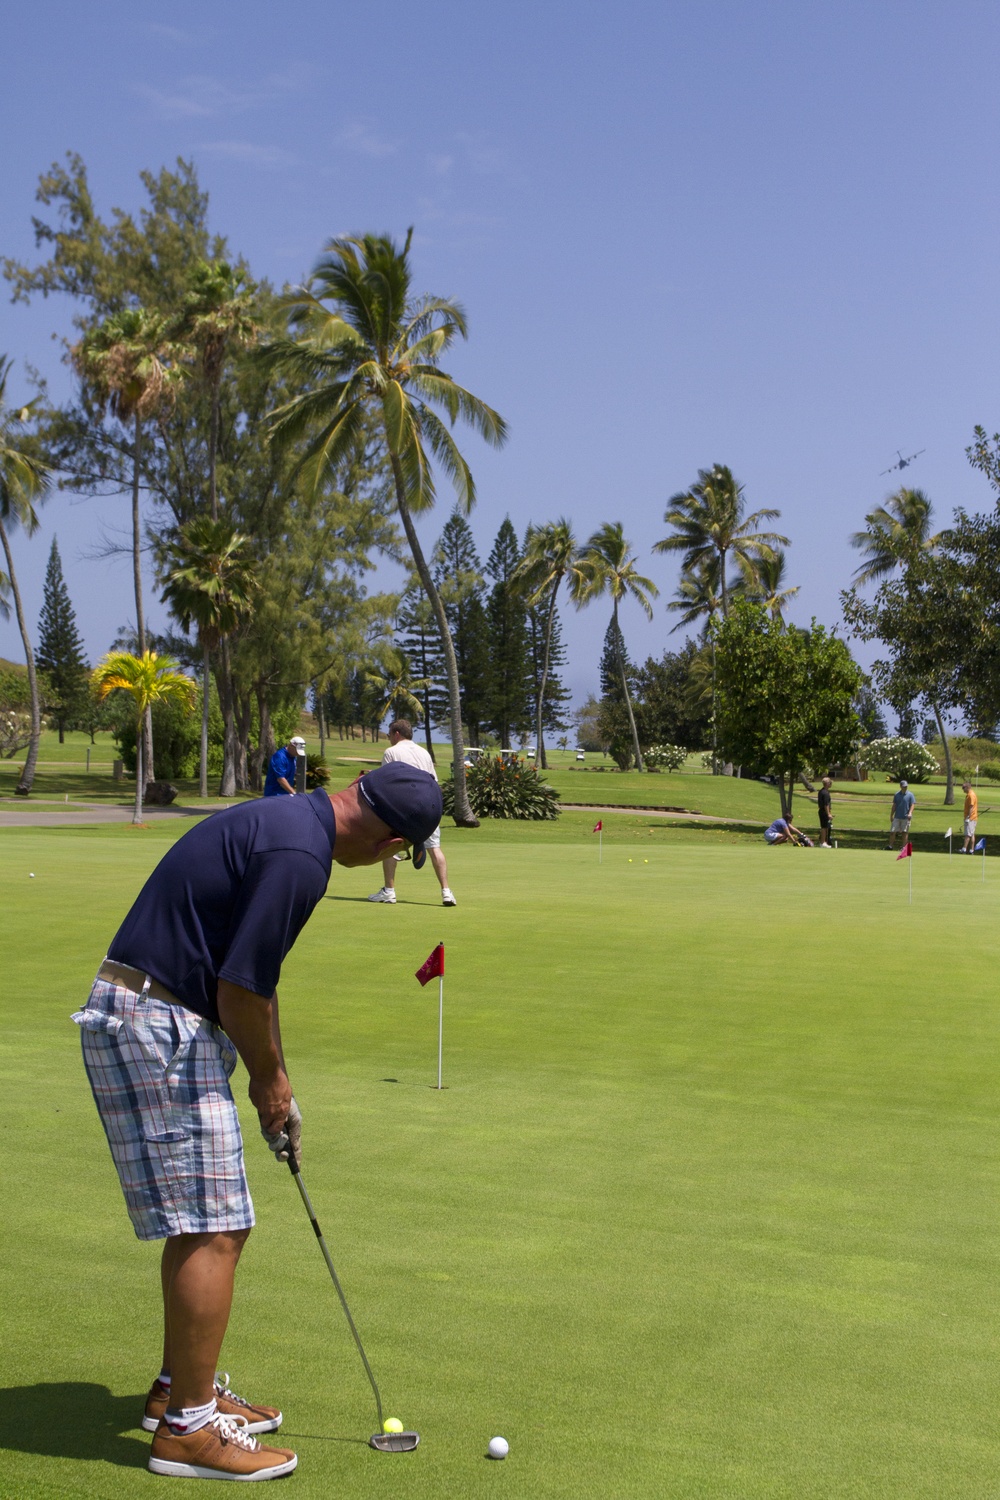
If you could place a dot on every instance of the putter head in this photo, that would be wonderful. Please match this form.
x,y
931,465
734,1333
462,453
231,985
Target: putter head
x,y
394,1442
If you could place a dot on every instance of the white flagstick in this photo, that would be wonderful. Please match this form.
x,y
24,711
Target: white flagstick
x,y
909,861
440,1023
600,845
948,837
984,861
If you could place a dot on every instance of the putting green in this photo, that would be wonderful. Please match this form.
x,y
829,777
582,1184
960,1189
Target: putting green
x,y
708,1207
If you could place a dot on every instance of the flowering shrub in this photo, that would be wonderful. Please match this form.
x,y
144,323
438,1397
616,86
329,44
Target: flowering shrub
x,y
15,732
665,757
505,787
900,758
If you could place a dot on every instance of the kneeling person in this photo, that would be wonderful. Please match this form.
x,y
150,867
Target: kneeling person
x,y
783,831
190,985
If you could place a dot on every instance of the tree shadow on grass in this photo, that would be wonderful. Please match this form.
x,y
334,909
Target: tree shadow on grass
x,y
72,1419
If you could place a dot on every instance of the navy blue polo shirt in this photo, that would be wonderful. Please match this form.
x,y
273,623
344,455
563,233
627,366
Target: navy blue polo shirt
x,y
230,898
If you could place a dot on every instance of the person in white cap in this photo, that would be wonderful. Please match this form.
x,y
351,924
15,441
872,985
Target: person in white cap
x,y
281,771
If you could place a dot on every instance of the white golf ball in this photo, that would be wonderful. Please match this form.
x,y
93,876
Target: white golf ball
x,y
499,1447
32,875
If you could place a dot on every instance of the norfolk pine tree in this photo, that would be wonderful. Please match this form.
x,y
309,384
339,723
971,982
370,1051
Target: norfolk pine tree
x,y
60,650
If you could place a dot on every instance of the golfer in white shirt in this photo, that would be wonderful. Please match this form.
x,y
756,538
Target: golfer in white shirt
x,y
402,747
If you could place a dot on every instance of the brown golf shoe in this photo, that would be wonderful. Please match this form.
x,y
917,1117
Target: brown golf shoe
x,y
221,1450
257,1418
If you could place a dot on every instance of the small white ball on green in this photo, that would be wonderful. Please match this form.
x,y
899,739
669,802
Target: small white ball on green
x,y
499,1447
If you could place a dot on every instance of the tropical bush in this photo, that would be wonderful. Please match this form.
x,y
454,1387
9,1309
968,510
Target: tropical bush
x,y
505,787
991,771
900,758
317,772
664,757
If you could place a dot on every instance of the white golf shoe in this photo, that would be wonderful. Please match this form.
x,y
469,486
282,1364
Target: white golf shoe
x,y
448,897
384,895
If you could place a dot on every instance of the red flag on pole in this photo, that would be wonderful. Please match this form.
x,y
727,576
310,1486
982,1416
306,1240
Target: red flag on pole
x,y
598,826
904,853
433,968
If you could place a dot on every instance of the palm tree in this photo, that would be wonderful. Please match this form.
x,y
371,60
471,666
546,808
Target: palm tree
x,y
709,522
609,565
24,479
210,584
894,534
551,554
368,353
150,679
764,583
129,367
699,597
219,315
395,685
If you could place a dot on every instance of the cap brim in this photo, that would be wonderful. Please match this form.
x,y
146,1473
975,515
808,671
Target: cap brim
x,y
419,856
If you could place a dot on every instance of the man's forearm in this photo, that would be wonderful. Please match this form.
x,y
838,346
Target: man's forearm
x,y
251,1022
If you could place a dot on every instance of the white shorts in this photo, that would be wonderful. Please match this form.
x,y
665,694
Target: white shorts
x,y
900,825
970,828
433,840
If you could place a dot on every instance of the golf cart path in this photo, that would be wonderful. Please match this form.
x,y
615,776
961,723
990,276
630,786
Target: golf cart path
x,y
79,815
658,812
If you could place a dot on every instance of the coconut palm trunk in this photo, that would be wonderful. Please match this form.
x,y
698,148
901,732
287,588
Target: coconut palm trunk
x,y
140,617
628,698
206,678
139,728
31,759
227,784
949,791
540,758
463,814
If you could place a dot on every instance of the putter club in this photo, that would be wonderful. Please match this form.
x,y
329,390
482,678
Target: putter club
x,y
384,1442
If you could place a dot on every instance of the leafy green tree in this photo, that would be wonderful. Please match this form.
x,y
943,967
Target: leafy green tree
x,y
24,480
149,679
551,555
508,705
366,348
60,650
709,524
210,584
785,697
546,648
671,710
609,567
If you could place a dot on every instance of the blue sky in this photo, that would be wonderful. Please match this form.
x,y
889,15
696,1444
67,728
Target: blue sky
x,y
763,234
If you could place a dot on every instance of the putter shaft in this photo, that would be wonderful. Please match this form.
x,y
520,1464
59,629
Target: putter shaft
x,y
297,1174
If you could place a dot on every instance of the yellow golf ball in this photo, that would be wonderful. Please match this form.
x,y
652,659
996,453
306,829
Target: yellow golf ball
x,y
630,861
392,1424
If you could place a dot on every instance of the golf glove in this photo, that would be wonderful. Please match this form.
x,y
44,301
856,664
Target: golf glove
x,y
287,1142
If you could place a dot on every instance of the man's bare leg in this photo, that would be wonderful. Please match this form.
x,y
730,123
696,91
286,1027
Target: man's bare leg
x,y
440,866
197,1272
389,873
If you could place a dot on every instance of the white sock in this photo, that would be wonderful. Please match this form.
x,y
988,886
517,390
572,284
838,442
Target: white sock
x,y
190,1418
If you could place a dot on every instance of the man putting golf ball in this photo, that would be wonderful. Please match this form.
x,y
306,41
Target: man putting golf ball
x,y
188,987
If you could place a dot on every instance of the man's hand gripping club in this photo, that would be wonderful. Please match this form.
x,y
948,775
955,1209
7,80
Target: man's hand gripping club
x,y
252,1024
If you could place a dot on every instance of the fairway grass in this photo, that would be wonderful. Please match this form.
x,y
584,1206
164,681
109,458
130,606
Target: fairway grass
x,y
706,1209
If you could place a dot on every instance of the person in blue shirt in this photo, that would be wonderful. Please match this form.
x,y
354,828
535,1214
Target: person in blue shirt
x,y
903,804
280,780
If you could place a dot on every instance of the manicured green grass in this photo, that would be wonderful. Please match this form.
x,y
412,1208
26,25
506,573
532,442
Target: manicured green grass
x,y
707,1208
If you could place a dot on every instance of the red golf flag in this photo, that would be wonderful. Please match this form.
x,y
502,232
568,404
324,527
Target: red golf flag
x,y
598,826
433,968
904,853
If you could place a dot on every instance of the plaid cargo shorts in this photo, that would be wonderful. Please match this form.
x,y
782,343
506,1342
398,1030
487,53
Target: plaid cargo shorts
x,y
160,1077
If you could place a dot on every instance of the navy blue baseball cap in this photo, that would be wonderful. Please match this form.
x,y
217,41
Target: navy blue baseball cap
x,y
407,799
